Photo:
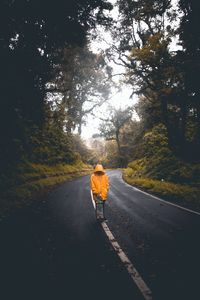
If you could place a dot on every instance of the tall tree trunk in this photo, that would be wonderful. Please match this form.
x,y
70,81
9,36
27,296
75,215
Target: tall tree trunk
x,y
80,128
198,120
183,121
118,146
117,140
165,118
80,120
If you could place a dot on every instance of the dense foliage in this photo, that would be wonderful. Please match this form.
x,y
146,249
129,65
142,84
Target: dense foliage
x,y
33,37
164,76
162,148
50,81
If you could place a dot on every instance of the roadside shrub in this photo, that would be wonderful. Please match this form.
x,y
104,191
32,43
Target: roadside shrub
x,y
184,195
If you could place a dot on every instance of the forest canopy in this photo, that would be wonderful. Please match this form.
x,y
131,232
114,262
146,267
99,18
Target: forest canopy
x,y
158,44
51,80
36,39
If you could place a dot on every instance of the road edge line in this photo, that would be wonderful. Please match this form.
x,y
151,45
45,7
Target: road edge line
x,y
161,200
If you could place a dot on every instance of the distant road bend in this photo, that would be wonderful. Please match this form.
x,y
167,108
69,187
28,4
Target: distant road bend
x,y
55,249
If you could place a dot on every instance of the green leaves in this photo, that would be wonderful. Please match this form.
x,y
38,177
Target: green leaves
x,y
43,42
113,129
82,79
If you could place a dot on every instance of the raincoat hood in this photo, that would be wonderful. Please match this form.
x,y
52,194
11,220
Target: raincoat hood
x,y
99,168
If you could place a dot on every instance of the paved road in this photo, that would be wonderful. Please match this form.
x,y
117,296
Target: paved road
x,y
54,249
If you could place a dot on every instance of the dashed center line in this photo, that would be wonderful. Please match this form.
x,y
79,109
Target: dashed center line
x,y
142,286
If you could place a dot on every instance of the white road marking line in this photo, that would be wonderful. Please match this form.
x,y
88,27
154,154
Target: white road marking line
x,y
144,289
146,292
93,202
161,200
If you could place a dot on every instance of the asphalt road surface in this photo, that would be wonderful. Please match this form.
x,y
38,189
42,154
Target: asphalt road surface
x,y
55,249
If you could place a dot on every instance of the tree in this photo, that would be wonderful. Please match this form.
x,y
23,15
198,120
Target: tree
x,y
111,127
144,49
131,136
189,59
81,82
32,35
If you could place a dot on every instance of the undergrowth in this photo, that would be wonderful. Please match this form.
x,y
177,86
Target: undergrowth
x,y
159,171
182,194
27,181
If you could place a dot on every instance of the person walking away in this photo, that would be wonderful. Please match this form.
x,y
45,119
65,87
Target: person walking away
x,y
99,184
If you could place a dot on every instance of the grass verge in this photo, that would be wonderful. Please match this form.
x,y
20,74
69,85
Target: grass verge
x,y
181,194
29,181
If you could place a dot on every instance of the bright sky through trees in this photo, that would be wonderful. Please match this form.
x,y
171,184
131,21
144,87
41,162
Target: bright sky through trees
x,y
119,97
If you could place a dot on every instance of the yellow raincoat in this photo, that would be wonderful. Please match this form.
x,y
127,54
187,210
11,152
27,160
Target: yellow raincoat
x,y
99,182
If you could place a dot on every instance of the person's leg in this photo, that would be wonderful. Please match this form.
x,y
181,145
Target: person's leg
x,y
104,214
98,207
